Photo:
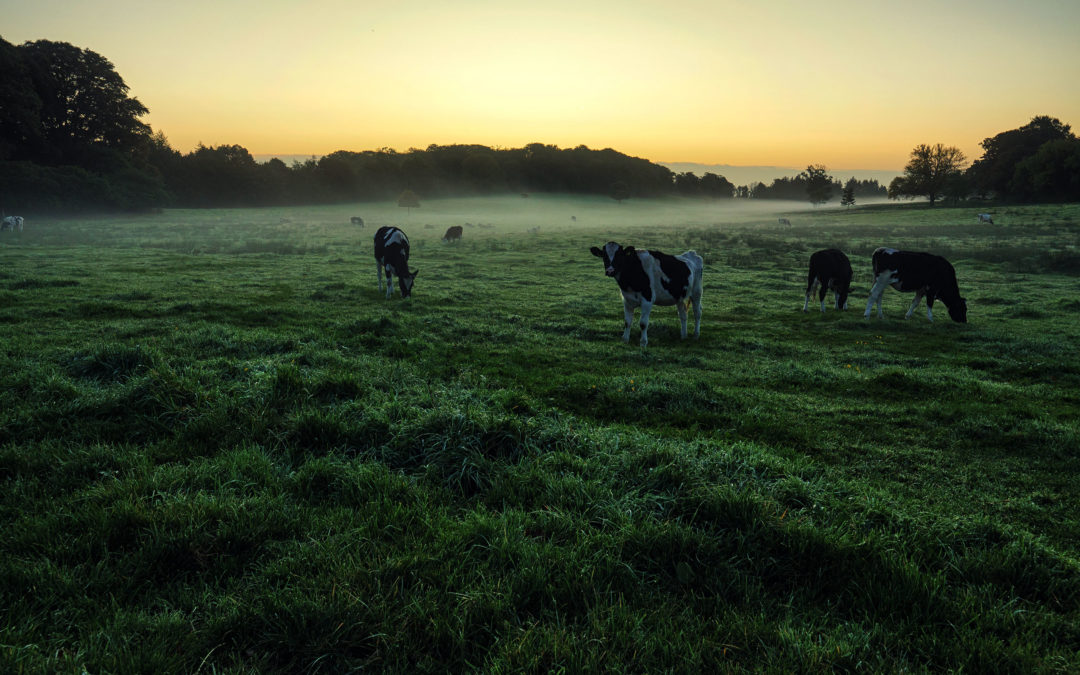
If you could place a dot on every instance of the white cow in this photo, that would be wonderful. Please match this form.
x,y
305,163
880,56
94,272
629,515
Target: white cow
x,y
12,223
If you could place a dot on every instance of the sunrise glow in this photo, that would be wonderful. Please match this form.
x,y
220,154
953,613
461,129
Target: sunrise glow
x,y
848,85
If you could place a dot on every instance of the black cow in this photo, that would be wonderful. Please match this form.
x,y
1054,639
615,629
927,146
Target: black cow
x,y
924,273
392,257
453,233
829,269
648,278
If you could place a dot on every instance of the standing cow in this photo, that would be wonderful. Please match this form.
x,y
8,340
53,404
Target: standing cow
x,y
392,257
12,223
357,220
924,273
648,278
829,269
453,233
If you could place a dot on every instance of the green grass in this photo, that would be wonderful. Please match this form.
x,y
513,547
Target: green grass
x,y
222,450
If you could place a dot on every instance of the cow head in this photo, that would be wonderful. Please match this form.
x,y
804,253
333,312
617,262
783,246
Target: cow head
x,y
407,283
614,256
958,311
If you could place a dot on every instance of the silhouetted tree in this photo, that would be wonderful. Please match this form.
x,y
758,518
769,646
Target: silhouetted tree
x,y
819,184
85,103
1051,174
20,107
995,170
847,198
715,186
408,200
619,191
928,172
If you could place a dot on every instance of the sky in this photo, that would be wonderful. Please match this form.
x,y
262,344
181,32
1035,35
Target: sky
x,y
850,85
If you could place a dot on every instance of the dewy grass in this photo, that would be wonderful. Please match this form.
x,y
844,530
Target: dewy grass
x,y
222,450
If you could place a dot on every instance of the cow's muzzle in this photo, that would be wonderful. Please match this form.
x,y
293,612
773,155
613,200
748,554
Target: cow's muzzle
x,y
610,271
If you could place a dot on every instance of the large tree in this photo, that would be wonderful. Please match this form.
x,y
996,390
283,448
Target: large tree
x,y
84,103
929,173
20,106
995,170
819,184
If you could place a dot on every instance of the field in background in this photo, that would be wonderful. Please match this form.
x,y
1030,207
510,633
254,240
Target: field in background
x,y
221,448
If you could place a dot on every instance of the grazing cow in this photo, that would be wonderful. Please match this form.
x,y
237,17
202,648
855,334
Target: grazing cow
x,y
12,223
392,257
453,233
985,218
357,220
829,269
648,278
924,273
784,221
533,230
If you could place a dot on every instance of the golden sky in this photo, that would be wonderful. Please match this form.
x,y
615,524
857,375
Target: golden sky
x,y
776,82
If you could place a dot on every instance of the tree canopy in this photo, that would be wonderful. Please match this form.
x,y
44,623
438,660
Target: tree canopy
x,y
929,172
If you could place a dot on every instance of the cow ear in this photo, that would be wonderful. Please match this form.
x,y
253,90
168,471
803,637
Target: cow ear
x,y
597,252
629,250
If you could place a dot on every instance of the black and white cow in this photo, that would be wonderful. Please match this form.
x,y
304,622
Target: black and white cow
x,y
12,223
453,233
357,220
829,269
392,257
648,278
784,221
926,274
986,218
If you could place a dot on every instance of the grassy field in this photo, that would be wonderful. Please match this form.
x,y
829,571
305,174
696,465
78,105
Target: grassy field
x,y
223,451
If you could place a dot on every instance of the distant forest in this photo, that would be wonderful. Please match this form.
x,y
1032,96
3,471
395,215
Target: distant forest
x,y
71,139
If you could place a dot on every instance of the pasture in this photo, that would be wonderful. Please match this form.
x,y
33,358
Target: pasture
x,y
222,450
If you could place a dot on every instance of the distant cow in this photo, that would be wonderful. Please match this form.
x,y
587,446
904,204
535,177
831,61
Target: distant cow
x,y
829,269
924,273
985,218
533,230
784,221
648,278
453,233
392,257
12,223
357,220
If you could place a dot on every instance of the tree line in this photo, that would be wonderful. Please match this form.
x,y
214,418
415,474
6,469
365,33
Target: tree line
x,y
1040,161
71,138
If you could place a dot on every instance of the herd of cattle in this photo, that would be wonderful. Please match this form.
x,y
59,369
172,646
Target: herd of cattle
x,y
648,278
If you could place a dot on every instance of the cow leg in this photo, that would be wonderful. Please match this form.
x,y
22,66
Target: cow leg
x,y
682,305
914,304
646,308
876,292
821,295
930,306
628,318
378,273
389,285
811,286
